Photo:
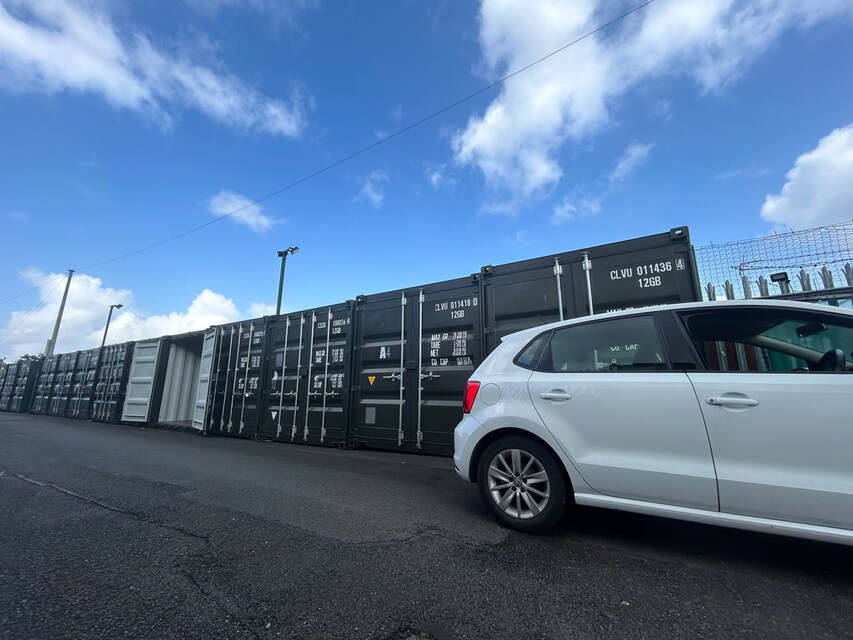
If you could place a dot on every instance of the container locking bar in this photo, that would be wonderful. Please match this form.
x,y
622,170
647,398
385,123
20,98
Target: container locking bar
x,y
326,376
420,434
283,370
246,376
558,271
402,368
298,369
310,362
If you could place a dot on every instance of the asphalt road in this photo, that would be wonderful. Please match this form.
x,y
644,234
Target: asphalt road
x,y
118,532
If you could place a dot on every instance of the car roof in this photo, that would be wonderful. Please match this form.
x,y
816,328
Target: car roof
x,y
683,306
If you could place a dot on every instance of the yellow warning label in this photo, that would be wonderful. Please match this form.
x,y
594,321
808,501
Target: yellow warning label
x,y
371,380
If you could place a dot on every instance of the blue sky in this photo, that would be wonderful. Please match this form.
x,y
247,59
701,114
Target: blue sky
x,y
125,123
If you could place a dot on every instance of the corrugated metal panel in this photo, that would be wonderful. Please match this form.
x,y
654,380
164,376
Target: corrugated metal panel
x,y
306,385
415,350
239,367
111,382
19,384
140,384
202,392
180,384
83,384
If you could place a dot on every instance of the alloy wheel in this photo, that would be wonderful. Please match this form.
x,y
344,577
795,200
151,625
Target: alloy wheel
x,y
518,483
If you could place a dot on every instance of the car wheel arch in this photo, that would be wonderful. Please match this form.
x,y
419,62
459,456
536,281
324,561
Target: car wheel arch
x,y
502,432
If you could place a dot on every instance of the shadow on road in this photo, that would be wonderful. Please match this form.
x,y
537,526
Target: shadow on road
x,y
692,541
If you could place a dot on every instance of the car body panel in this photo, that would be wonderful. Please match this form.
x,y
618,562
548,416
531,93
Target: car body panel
x,y
790,457
632,435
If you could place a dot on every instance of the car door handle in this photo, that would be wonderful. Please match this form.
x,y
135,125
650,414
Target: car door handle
x,y
556,394
732,401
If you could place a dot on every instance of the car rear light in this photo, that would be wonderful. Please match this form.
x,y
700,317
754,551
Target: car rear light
x,y
470,395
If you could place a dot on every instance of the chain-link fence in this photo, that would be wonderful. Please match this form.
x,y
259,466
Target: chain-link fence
x,y
781,263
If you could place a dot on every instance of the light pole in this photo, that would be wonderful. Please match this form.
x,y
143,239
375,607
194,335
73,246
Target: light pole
x,y
109,317
51,343
283,255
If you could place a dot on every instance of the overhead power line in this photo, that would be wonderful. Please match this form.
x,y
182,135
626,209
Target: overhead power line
x,y
374,144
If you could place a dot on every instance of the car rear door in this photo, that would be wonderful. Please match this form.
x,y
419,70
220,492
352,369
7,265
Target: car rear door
x,y
631,424
782,435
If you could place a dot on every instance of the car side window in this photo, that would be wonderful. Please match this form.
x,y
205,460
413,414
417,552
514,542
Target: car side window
x,y
622,344
530,354
772,340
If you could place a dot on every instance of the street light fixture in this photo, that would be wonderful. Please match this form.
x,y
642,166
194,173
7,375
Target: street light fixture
x,y
283,255
109,317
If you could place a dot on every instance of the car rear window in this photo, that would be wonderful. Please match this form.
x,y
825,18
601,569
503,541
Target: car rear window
x,y
623,344
529,356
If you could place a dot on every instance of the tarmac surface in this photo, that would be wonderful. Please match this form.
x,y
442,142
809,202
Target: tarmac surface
x,y
111,531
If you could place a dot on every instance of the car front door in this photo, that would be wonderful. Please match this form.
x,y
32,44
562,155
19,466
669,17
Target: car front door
x,y
629,422
780,422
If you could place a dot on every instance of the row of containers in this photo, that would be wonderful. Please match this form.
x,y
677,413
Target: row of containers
x,y
382,371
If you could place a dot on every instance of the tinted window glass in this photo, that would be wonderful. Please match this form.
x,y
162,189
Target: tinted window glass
x,y
772,340
626,344
528,357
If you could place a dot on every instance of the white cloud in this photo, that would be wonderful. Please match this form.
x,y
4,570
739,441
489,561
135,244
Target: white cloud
x,y
397,113
516,141
582,204
371,190
258,309
437,176
819,187
19,216
633,157
86,312
241,211
576,208
56,46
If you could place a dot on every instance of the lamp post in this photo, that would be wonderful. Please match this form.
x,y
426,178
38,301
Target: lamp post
x,y
109,317
283,255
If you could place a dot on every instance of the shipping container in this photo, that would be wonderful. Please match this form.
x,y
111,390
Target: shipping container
x,y
62,384
19,383
232,405
6,374
83,384
44,386
306,384
414,350
166,375
110,382
645,271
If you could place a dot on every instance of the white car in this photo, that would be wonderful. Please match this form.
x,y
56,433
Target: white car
x,y
730,413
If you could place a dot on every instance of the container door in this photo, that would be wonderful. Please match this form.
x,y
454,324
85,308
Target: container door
x,y
205,372
223,364
284,390
243,395
628,279
523,295
326,422
450,348
140,385
378,416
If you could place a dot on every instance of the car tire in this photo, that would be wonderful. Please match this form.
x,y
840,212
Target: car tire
x,y
510,478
